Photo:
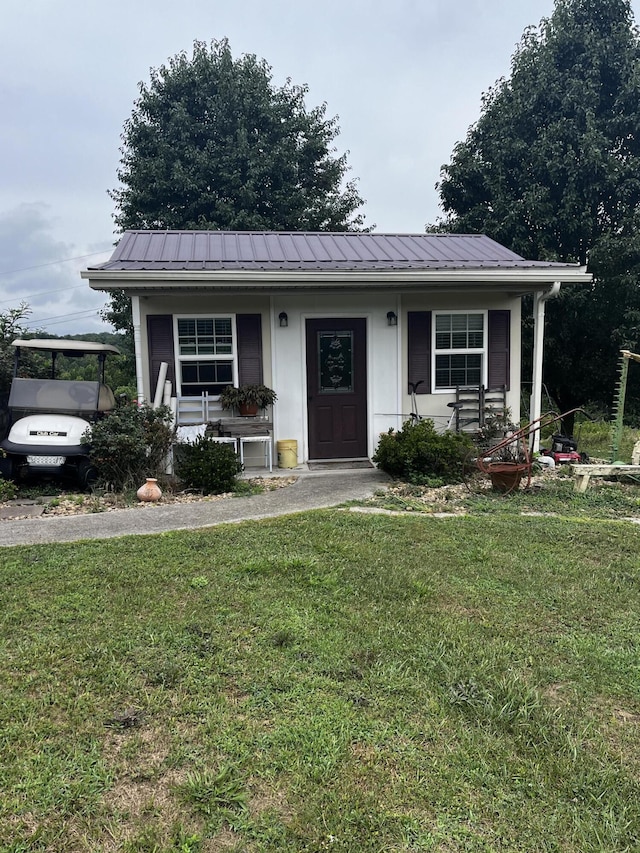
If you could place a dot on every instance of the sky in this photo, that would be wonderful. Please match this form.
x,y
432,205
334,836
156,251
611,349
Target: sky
x,y
405,78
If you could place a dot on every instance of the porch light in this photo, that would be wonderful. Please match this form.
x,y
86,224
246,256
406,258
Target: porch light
x,y
284,320
392,318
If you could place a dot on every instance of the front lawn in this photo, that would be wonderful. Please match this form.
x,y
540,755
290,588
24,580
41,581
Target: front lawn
x,y
327,681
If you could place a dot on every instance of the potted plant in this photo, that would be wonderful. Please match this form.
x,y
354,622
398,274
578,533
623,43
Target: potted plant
x,y
508,463
502,451
247,398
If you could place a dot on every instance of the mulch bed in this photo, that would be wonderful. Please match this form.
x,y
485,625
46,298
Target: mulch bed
x,y
79,504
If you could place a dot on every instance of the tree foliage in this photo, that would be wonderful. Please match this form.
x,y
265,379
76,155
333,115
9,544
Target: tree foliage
x,y
552,170
11,327
212,143
120,371
31,363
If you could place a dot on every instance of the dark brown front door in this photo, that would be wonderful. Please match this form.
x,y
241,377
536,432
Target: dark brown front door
x,y
337,388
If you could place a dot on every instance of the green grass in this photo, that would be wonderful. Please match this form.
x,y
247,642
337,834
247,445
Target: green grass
x,y
556,494
326,681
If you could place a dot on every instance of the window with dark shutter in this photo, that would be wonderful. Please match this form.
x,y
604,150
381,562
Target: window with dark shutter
x,y
211,350
459,339
206,352
419,350
499,349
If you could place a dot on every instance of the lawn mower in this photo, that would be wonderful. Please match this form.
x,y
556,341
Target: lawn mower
x,y
564,450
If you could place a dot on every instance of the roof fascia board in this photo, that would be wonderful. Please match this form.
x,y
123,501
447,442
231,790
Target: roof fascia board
x,y
283,279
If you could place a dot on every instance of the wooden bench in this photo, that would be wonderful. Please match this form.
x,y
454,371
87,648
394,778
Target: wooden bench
x,y
238,427
251,431
583,473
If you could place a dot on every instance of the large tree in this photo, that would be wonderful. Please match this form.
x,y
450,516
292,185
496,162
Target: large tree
x,y
213,143
552,170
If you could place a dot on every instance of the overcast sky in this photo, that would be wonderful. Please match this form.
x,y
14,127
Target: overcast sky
x,y
405,78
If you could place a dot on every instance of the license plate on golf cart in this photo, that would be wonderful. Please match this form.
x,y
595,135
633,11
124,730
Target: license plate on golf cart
x,y
46,461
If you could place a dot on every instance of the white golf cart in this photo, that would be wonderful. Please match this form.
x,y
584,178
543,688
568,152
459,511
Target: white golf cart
x,y
48,417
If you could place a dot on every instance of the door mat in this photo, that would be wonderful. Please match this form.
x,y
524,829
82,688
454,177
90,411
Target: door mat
x,y
340,465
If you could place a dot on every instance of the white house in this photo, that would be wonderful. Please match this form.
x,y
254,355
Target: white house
x,y
338,325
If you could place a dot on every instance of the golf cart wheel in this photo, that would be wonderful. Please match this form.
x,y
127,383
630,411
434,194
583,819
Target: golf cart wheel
x,y
87,474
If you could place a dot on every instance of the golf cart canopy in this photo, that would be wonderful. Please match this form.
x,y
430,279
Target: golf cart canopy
x,y
80,397
69,348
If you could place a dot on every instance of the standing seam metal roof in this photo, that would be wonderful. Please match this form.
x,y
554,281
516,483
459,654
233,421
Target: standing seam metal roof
x,y
260,250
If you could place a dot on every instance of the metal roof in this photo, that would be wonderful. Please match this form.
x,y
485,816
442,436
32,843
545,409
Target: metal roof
x,y
311,251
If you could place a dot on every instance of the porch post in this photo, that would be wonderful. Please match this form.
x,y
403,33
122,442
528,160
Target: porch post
x,y
535,406
137,345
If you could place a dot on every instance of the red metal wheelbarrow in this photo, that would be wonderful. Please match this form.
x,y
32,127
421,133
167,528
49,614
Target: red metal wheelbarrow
x,y
509,462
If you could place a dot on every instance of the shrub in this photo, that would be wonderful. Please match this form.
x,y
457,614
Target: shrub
x,y
420,455
8,490
208,466
130,444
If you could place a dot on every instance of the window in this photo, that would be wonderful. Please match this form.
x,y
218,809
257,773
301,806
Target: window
x,y
335,362
459,350
206,354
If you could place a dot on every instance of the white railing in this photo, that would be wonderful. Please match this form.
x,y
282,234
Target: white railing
x,y
197,410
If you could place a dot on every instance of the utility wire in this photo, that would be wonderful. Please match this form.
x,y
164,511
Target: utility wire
x,y
45,326
43,293
62,317
55,263
57,323
59,318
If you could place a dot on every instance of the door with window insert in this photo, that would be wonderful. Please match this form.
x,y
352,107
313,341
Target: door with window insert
x,y
337,388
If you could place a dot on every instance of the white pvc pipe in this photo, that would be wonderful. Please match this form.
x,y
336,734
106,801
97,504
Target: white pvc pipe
x,y
162,375
137,343
166,397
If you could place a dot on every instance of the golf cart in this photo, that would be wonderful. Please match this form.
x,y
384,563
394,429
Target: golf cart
x,y
48,417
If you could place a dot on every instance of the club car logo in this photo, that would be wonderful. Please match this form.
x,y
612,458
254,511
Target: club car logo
x,y
46,432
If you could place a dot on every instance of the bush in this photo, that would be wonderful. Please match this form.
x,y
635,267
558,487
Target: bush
x,y
130,444
420,455
207,465
8,490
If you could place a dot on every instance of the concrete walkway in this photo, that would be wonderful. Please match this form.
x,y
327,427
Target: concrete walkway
x,y
312,490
